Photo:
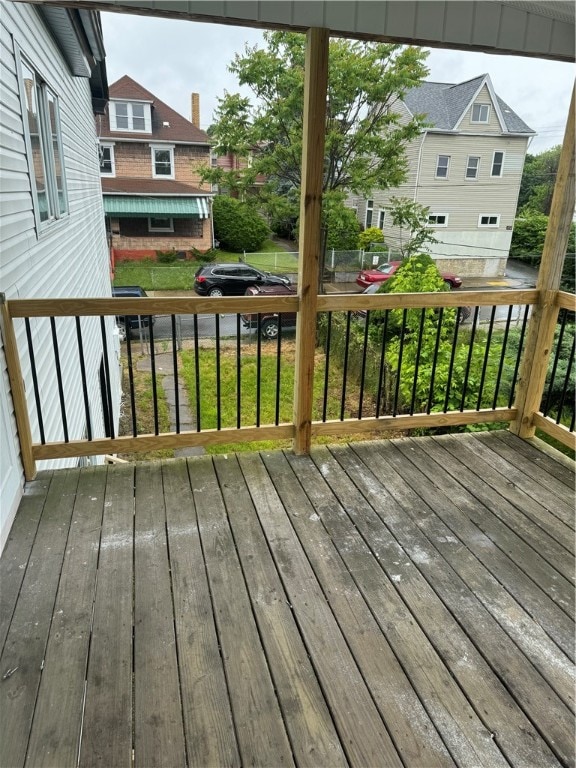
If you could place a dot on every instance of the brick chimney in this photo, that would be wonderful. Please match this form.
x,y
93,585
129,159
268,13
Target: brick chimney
x,y
195,119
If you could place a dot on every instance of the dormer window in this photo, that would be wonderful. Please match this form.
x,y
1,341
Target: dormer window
x,y
480,113
130,117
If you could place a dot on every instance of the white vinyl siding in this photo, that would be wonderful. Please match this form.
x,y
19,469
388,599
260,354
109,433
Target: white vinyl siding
x,y
493,123
68,259
465,201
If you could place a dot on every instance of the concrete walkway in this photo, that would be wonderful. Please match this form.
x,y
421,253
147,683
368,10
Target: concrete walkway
x,y
165,373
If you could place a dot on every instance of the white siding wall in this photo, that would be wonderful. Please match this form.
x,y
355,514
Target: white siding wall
x,y
67,259
464,200
493,124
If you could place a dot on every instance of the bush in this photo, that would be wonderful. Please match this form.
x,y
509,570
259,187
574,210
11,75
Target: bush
x,y
342,226
166,257
369,236
237,226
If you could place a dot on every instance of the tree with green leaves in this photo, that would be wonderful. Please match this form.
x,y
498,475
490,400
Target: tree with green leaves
x,y
365,135
538,179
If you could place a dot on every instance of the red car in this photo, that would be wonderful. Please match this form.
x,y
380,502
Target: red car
x,y
381,273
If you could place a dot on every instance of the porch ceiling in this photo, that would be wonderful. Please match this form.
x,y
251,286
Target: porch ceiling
x,y
539,29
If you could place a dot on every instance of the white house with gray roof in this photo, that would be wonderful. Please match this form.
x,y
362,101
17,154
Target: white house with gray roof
x,y
466,167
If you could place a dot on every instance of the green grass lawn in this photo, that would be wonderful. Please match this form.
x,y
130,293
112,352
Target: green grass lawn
x,y
249,388
179,276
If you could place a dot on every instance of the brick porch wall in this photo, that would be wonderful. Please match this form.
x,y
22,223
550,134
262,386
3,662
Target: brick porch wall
x,y
135,242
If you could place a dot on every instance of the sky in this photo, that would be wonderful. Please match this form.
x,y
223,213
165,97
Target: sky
x,y
173,59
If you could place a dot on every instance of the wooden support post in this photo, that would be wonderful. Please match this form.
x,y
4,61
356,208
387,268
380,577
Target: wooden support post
x,y
18,390
540,337
315,89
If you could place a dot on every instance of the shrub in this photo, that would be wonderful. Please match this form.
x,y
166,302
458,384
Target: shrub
x,y
369,236
342,226
237,226
166,257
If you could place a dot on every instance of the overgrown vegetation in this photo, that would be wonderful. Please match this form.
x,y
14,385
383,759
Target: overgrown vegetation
x,y
237,225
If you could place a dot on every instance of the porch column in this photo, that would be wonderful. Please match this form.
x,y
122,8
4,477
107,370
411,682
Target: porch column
x,y
540,336
315,89
17,389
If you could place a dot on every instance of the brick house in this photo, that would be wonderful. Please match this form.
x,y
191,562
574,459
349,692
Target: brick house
x,y
150,160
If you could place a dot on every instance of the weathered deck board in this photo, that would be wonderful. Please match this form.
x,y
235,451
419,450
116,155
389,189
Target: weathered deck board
x,y
22,658
208,722
107,731
261,732
390,603
60,698
158,726
17,550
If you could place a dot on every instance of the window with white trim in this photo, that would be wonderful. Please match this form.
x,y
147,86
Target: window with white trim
x,y
159,224
44,145
438,220
480,113
381,218
129,117
162,162
442,166
369,213
497,164
107,164
472,167
489,220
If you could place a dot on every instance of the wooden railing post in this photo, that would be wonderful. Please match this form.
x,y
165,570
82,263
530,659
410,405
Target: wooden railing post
x,y
315,89
17,389
540,336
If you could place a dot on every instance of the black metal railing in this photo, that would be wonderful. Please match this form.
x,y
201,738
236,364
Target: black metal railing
x,y
559,390
423,360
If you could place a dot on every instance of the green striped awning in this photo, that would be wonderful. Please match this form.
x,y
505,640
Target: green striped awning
x,y
140,206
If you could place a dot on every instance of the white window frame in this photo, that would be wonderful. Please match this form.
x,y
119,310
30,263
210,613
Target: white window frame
x,y
481,107
489,216
369,209
170,228
497,175
381,217
110,146
162,148
437,223
438,166
50,145
469,168
130,116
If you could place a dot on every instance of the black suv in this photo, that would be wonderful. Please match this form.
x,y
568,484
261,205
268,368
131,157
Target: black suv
x,y
232,279
131,322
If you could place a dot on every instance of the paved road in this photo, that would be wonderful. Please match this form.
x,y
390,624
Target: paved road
x,y
518,276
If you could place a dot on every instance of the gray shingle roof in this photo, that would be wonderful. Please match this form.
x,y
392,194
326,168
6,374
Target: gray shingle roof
x,y
444,103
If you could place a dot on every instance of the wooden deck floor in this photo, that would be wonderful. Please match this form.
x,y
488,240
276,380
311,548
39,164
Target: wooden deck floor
x,y
400,603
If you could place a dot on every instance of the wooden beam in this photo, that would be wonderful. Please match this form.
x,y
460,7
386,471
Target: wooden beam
x,y
557,431
315,90
18,390
166,440
540,336
416,421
